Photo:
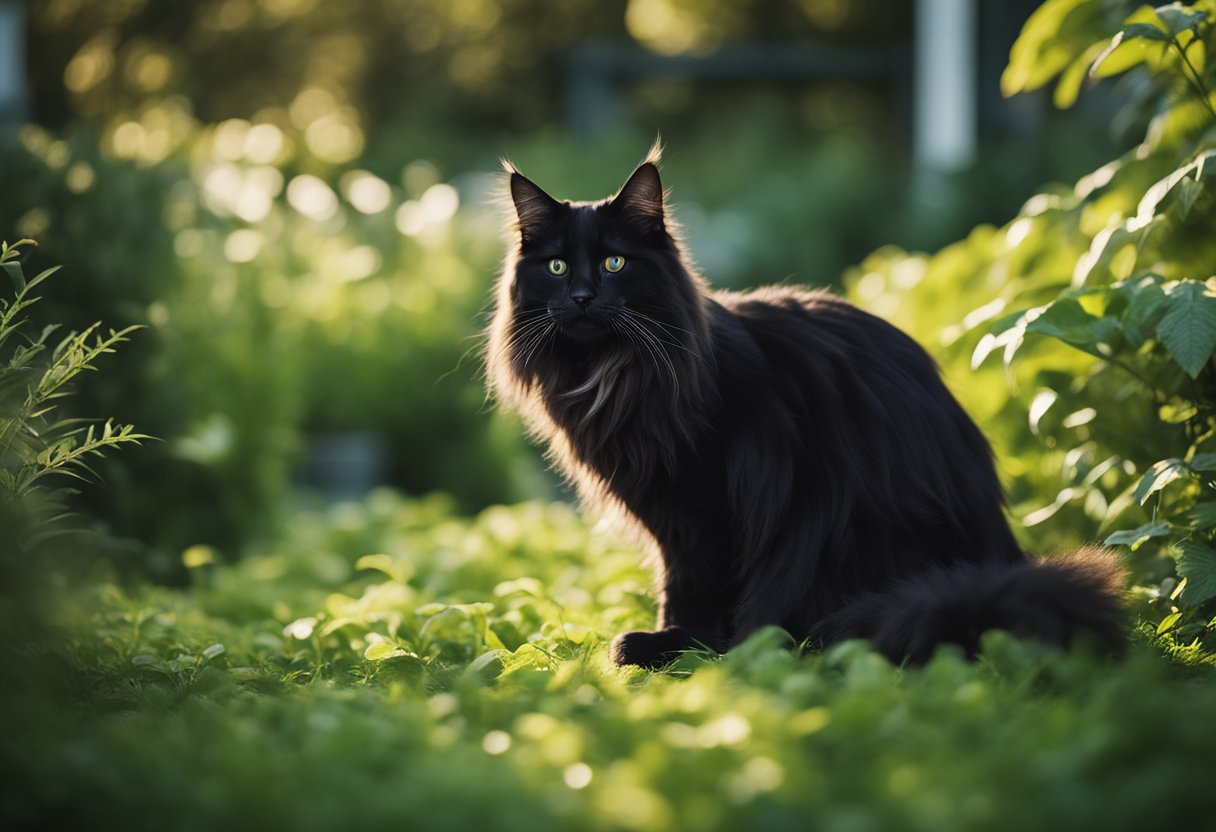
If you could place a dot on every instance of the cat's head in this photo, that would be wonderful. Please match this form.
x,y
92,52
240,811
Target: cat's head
x,y
598,271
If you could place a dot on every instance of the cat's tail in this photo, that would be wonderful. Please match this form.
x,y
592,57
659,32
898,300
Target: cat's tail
x,y
1055,600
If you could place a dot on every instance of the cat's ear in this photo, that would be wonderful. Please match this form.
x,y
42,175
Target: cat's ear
x,y
641,196
533,207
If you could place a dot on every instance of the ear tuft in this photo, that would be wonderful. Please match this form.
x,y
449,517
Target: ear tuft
x,y
642,194
533,206
655,155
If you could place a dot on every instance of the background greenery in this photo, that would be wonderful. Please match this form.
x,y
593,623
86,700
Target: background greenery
x,y
297,205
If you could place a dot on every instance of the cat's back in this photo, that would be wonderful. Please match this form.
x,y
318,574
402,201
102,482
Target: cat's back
x,y
792,327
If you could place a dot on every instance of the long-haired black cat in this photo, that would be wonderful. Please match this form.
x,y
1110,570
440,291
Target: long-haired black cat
x,y
795,461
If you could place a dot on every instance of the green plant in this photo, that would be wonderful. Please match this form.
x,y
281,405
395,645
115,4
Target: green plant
x,y
1142,301
389,664
38,444
1101,300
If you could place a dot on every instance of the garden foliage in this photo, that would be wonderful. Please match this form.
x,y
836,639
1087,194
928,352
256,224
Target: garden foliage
x,y
394,663
1081,333
390,664
37,442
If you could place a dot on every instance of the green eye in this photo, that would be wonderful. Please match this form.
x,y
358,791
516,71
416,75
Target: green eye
x,y
557,267
614,263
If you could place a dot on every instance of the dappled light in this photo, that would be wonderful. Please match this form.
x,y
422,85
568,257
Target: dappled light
x,y
271,555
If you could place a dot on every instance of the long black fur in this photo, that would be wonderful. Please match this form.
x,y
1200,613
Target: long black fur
x,y
794,460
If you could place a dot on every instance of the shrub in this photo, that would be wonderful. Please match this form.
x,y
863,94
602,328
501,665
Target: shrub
x,y
1100,300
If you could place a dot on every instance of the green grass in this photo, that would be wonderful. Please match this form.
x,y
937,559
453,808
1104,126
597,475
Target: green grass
x,y
458,679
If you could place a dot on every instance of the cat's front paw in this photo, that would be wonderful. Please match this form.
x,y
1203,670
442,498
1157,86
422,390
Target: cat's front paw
x,y
651,649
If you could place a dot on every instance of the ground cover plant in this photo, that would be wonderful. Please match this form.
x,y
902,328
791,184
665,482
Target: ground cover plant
x,y
395,661
391,663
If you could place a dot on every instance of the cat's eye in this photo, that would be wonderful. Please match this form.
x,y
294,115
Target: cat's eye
x,y
558,267
614,263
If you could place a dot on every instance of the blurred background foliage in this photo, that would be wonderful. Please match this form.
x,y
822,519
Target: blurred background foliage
x,y
299,202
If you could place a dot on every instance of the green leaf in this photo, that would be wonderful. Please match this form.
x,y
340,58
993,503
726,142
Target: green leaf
x,y
1158,477
1148,206
1188,191
1203,515
1068,321
1198,566
1069,86
1145,305
1144,30
1124,53
1177,412
13,270
381,650
395,568
1109,242
1168,622
213,651
1203,462
1051,39
1188,329
1135,538
1178,17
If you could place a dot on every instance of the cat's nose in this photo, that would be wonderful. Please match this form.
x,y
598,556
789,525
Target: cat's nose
x,y
582,297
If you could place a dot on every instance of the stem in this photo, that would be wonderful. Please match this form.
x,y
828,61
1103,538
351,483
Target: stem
x,y
1195,78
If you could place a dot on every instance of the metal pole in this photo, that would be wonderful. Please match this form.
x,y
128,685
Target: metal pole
x,y
13,104
944,124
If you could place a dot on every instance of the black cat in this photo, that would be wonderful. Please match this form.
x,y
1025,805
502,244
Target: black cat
x,y
795,460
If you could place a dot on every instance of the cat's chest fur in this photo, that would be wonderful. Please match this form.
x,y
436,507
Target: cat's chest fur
x,y
621,423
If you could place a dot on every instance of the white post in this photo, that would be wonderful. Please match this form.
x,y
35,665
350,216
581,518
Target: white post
x,y
12,63
944,83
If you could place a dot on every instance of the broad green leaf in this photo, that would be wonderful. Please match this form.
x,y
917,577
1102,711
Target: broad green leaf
x,y
213,651
1158,477
1188,329
1135,538
1198,566
1203,462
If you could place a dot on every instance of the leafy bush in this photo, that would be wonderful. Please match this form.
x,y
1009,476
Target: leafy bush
x,y
1110,348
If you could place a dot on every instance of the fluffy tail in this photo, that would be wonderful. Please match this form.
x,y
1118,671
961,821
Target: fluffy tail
x,y
1054,600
